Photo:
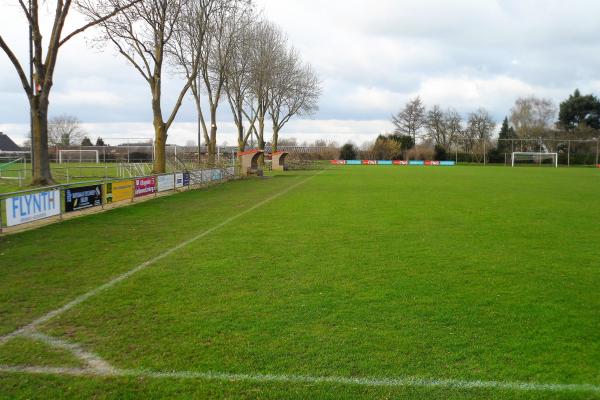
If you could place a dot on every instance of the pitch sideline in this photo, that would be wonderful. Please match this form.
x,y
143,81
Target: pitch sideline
x,y
307,379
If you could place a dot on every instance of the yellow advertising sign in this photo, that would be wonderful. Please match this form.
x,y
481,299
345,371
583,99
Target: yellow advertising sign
x,y
119,191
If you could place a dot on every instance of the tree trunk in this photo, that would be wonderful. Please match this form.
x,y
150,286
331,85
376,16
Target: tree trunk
x,y
41,174
212,149
241,133
241,142
275,138
160,143
261,139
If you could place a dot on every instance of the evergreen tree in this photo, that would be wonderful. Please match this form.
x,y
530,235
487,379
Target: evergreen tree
x,y
348,152
100,142
507,132
579,111
86,142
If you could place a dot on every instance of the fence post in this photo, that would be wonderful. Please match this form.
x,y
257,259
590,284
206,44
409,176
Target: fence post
x,y
60,207
597,152
1,214
484,153
569,154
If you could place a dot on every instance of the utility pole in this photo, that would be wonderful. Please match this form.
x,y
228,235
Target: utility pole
x,y
33,88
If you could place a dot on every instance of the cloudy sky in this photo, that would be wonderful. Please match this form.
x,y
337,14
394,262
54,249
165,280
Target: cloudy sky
x,y
371,56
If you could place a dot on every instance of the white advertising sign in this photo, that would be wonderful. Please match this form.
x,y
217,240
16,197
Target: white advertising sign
x,y
207,175
179,180
166,182
31,207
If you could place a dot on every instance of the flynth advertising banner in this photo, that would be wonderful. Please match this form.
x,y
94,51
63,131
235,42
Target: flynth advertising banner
x,y
186,179
145,186
83,197
119,191
166,182
31,207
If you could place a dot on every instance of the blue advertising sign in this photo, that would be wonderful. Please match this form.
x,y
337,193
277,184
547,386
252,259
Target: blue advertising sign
x,y
186,179
447,163
416,162
354,162
384,162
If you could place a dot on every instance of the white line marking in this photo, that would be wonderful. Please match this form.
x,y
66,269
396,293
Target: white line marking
x,y
337,380
92,360
52,314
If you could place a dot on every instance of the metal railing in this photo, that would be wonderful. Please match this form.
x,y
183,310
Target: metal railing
x,y
200,179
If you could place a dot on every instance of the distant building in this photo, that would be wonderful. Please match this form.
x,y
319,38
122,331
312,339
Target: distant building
x,y
6,144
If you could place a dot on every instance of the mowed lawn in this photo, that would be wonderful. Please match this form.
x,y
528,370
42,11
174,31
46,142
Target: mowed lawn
x,y
448,275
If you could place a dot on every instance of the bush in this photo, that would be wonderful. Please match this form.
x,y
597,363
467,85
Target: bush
x,y
348,152
440,153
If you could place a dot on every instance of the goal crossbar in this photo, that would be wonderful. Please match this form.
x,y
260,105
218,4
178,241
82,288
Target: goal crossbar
x,y
534,156
96,155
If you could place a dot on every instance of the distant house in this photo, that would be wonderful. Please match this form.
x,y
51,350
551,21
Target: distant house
x,y
6,144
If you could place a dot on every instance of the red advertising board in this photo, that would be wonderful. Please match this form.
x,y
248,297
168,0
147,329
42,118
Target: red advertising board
x,y
432,163
369,162
338,162
400,162
145,186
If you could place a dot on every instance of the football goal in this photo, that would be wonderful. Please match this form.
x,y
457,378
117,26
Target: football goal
x,y
532,158
79,156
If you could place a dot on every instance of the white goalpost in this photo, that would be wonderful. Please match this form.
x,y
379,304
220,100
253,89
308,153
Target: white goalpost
x,y
79,156
534,158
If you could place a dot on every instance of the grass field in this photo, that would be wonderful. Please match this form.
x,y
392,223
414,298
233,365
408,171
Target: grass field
x,y
62,173
356,282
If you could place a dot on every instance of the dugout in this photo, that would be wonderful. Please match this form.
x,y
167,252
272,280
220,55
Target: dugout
x,y
278,159
249,162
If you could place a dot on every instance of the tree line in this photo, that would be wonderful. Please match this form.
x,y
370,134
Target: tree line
x,y
225,51
431,133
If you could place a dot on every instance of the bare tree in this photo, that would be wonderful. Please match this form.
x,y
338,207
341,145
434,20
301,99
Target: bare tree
x,y
41,80
481,125
454,126
215,58
239,80
436,126
295,91
65,130
411,119
145,35
269,44
533,117
187,50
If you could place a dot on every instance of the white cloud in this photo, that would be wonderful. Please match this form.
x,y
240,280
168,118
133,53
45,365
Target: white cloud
x,y
371,57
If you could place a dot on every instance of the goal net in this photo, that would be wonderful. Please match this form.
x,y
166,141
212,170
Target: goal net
x,y
532,158
79,156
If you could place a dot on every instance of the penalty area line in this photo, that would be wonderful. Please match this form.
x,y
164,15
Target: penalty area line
x,y
307,379
73,303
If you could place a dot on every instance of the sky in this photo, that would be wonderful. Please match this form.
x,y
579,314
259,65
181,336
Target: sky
x,y
372,57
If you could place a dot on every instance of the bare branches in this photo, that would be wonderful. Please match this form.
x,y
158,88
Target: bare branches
x,y
97,21
15,61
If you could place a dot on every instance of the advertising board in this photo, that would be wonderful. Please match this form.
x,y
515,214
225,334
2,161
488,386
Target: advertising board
x,y
145,186
119,191
32,207
80,198
166,182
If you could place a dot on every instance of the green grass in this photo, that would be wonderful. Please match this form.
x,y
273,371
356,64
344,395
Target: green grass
x,y
460,273
62,173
